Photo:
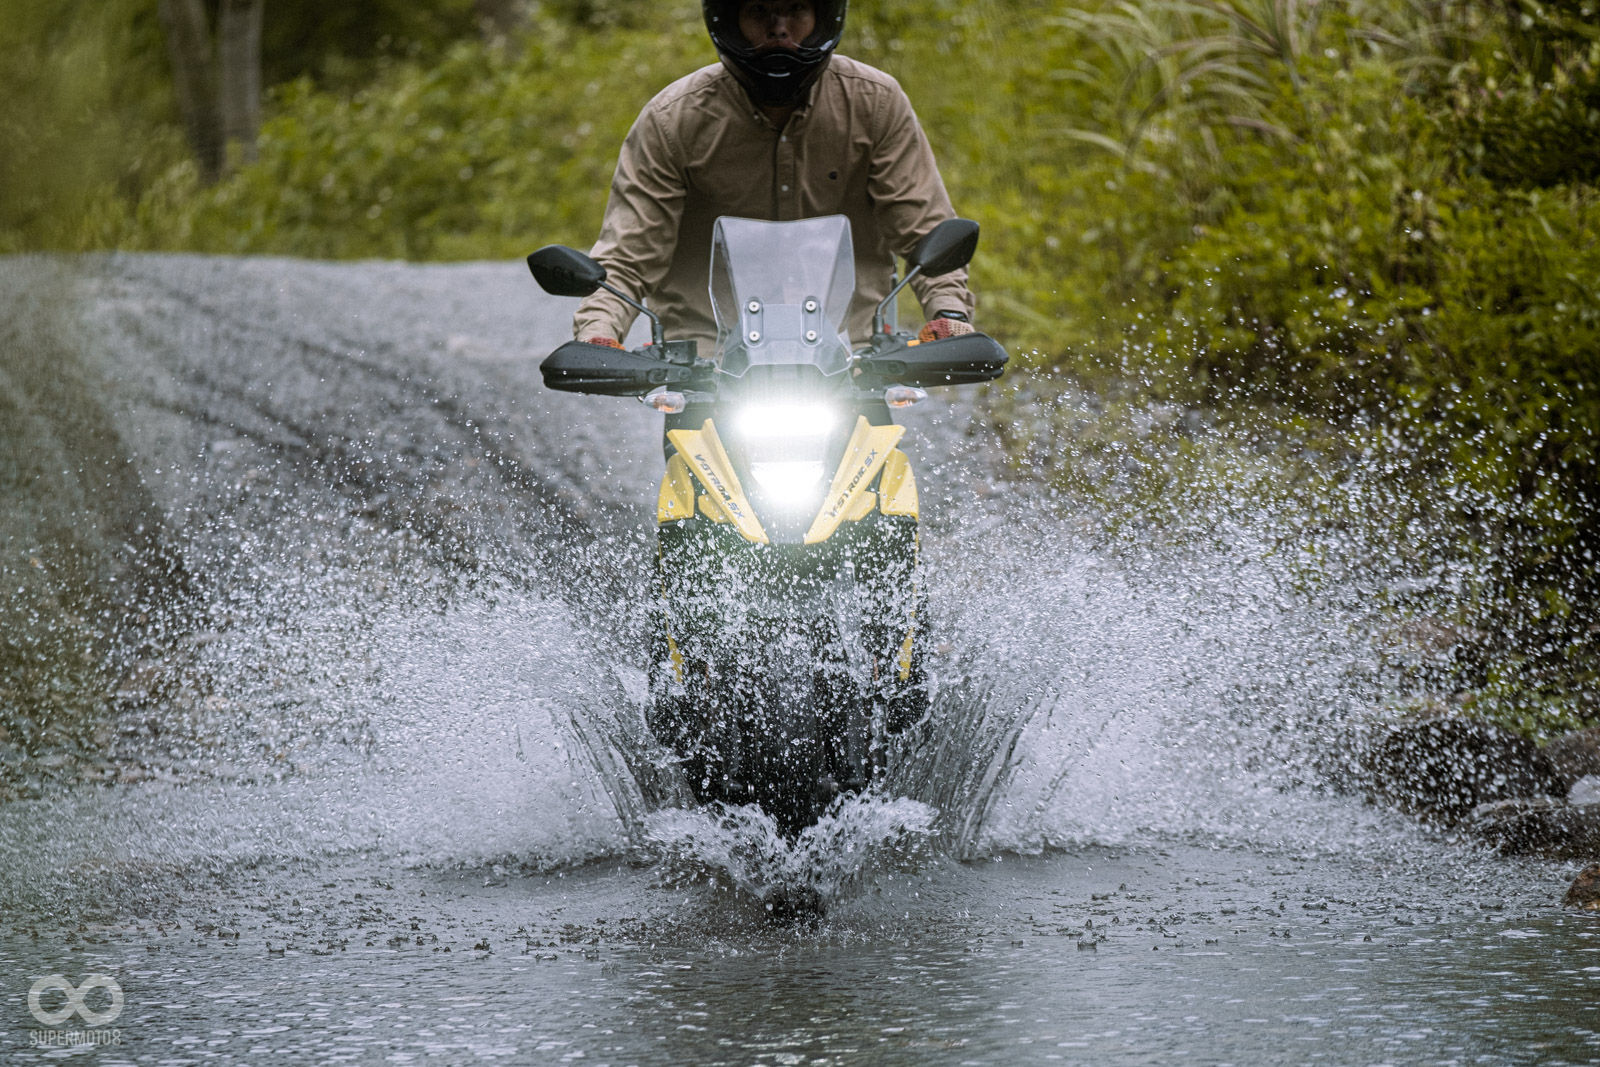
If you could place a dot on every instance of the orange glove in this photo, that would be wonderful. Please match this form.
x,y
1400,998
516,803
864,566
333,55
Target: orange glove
x,y
609,342
941,329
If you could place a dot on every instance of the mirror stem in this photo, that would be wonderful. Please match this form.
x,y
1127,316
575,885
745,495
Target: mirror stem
x,y
658,336
880,317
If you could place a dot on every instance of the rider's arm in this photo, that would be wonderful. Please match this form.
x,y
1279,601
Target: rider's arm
x,y
909,198
640,229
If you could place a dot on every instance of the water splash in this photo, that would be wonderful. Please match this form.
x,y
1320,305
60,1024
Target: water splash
x,y
419,639
1113,686
857,838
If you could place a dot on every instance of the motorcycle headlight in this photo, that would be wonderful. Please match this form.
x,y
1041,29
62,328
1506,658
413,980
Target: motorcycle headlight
x,y
786,444
791,481
763,422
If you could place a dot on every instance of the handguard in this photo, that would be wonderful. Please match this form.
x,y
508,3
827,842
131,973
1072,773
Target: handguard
x,y
965,360
580,367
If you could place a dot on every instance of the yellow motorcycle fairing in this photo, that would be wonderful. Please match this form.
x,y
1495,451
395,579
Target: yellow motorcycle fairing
x,y
677,492
724,500
897,489
849,496
870,458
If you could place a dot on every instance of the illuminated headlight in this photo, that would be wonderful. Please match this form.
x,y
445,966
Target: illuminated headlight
x,y
786,445
790,481
766,421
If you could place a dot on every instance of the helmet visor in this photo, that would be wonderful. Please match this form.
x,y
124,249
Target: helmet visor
x,y
725,20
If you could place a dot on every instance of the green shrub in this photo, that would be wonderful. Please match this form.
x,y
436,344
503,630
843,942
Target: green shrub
x,y
87,126
1347,261
498,147
1530,116
344,44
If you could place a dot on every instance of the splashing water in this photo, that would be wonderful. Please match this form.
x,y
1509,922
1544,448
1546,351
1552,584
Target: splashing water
x,y
1093,699
855,839
418,636
407,660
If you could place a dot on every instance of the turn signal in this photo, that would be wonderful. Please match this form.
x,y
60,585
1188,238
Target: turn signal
x,y
903,396
666,402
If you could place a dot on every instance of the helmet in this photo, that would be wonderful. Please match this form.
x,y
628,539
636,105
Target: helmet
x,y
776,77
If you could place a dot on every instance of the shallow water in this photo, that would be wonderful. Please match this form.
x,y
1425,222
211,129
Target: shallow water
x,y
1093,956
407,720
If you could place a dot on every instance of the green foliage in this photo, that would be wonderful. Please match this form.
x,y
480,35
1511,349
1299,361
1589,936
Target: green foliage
x,y
1347,261
599,14
93,126
344,44
87,124
1541,36
1468,321
1532,117
494,147
1532,135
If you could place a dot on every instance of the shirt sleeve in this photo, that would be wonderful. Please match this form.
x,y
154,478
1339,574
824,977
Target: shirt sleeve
x,y
909,198
640,228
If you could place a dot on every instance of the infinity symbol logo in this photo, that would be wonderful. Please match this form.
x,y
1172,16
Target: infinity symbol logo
x,y
75,996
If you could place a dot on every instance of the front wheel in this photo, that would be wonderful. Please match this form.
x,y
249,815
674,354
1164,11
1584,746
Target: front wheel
x,y
774,727
783,749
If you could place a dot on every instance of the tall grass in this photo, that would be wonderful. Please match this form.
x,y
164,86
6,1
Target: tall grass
x,y
88,125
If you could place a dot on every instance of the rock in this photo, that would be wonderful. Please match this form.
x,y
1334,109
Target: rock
x,y
1585,790
1539,827
1511,824
1442,768
1585,889
1499,811
1575,755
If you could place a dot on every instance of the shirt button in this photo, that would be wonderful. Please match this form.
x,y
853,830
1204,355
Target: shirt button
x,y
783,137
786,188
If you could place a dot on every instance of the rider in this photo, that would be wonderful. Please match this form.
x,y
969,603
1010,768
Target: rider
x,y
781,129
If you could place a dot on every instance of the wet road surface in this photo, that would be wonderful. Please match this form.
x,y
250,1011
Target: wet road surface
x,y
383,795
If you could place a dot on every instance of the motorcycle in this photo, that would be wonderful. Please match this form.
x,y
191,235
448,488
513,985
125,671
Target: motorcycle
x,y
785,644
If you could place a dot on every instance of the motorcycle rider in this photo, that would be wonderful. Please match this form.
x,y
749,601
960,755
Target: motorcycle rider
x,y
782,128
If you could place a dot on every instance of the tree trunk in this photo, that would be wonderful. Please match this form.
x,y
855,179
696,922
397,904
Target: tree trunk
x,y
239,87
194,79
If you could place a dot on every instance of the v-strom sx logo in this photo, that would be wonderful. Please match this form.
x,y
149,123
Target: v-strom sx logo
x,y
849,490
716,483
74,1000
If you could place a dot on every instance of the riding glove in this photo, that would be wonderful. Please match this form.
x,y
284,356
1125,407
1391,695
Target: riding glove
x,y
942,327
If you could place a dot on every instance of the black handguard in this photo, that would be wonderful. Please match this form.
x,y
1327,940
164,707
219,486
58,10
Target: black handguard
x,y
579,367
965,360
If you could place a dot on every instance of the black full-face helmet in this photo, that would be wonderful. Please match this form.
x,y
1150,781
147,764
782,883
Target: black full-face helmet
x,y
777,77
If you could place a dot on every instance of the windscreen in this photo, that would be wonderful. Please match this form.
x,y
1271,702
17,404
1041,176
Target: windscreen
x,y
780,291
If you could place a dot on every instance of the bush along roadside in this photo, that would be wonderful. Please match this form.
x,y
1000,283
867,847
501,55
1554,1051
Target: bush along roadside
x,y
498,147
1417,334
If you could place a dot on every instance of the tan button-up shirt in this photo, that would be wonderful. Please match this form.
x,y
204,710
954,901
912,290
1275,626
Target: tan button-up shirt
x,y
701,150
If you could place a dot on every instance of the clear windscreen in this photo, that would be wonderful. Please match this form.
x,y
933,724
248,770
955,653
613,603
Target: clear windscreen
x,y
781,291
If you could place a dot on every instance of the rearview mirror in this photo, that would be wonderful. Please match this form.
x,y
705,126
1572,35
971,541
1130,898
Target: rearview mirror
x,y
947,247
563,271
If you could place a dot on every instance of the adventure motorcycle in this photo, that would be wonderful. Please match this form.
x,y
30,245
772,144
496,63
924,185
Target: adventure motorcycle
x,y
785,642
